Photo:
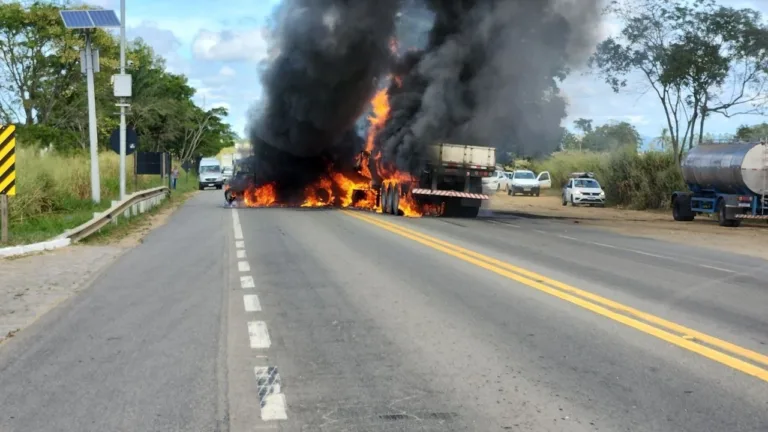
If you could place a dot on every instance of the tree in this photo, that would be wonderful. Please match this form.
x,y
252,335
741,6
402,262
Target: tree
x,y
584,125
698,58
662,142
44,92
611,136
570,141
752,133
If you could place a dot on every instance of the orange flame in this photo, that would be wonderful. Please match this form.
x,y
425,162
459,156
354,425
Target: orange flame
x,y
312,192
338,189
262,196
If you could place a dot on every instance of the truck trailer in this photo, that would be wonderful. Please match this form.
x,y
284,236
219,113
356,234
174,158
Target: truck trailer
x,y
727,180
451,181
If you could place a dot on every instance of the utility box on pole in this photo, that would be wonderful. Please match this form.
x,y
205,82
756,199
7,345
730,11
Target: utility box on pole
x,y
122,85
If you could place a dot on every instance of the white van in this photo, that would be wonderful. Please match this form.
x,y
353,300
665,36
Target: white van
x,y
210,174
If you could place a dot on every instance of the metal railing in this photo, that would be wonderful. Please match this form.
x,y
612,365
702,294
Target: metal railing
x,y
132,205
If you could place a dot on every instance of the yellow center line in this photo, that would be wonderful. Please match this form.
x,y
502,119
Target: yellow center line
x,y
687,338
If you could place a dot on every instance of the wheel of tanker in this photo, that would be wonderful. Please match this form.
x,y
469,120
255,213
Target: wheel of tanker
x,y
395,203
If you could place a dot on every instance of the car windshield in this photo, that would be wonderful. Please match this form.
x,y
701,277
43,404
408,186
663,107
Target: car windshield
x,y
524,175
210,169
586,183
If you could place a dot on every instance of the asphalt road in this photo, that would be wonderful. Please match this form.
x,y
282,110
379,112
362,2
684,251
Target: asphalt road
x,y
324,320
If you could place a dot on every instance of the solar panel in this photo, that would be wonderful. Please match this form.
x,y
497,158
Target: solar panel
x,y
76,19
104,18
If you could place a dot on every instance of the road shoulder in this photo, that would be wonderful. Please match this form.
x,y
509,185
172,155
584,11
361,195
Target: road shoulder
x,y
701,233
35,284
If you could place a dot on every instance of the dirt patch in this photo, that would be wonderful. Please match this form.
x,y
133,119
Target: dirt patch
x,y
749,239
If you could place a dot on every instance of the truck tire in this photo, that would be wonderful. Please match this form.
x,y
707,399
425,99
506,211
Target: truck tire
x,y
681,209
395,201
469,212
565,201
722,216
385,199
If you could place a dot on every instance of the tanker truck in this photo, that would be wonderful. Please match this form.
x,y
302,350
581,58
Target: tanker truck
x,y
729,181
451,181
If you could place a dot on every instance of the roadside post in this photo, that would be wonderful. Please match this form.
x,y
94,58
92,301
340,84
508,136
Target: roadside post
x,y
7,174
87,21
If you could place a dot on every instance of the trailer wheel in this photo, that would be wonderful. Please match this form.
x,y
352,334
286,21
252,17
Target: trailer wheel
x,y
722,215
384,198
395,203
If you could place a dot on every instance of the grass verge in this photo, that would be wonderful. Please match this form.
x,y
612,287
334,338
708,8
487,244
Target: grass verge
x,y
54,192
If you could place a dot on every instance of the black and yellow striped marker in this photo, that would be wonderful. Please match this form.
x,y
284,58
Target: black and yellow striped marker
x,y
8,160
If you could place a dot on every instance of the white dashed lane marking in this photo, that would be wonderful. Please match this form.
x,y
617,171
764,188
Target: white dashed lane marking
x,y
236,225
246,282
257,332
271,397
252,303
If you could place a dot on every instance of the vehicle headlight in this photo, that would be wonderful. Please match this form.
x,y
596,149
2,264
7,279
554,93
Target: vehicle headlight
x,y
602,194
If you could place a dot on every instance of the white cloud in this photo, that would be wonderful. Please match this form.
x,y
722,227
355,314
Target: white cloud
x,y
227,71
230,45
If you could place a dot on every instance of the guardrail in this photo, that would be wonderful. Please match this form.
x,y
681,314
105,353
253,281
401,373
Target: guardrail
x,y
132,205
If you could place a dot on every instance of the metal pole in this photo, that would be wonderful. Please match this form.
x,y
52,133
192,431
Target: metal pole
x,y
95,185
4,217
122,101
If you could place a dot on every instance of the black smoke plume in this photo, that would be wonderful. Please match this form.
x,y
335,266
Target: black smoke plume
x,y
328,55
488,75
482,72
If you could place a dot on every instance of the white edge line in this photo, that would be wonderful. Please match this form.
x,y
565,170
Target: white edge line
x,y
716,268
258,334
240,244
241,253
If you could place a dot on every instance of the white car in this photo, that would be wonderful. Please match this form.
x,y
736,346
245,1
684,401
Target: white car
x,y
545,180
495,182
524,182
583,189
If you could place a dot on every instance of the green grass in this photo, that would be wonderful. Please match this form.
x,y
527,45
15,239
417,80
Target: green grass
x,y
53,192
633,180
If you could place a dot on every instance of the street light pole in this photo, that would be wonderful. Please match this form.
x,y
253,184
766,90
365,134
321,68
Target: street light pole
x,y
122,101
95,185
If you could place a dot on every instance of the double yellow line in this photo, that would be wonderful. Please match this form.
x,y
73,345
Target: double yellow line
x,y
734,356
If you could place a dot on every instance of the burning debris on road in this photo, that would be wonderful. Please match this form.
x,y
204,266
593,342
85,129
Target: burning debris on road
x,y
487,75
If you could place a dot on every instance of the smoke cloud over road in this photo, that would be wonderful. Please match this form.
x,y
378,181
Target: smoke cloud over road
x,y
479,72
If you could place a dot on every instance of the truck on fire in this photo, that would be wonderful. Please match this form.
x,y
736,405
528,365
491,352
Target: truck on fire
x,y
450,183
729,181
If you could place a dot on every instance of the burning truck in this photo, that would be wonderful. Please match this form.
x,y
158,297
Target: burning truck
x,y
449,184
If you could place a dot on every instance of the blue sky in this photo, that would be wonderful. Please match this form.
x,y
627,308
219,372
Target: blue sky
x,y
218,45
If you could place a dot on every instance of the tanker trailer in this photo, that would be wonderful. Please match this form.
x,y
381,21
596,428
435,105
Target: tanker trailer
x,y
727,180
